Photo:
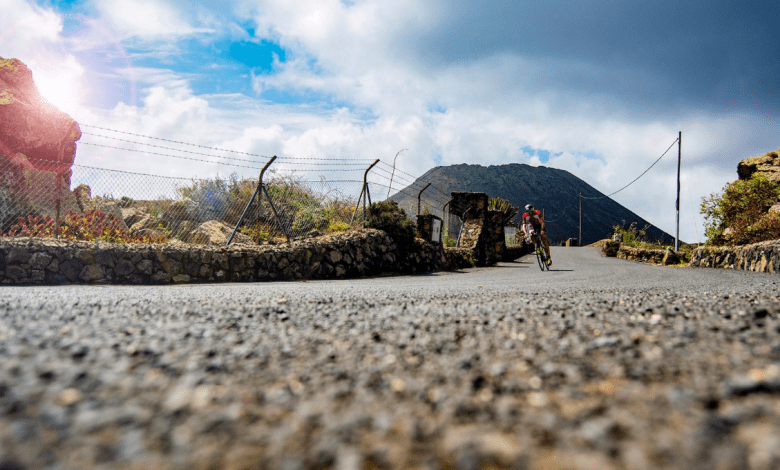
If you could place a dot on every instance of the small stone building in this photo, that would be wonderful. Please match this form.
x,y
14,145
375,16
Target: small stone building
x,y
482,230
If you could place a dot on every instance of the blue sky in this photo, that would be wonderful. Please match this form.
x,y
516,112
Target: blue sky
x,y
598,88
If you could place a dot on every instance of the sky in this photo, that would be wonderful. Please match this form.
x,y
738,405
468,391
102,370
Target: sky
x,y
598,88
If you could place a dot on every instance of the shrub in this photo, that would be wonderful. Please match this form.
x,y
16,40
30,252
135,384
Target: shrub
x,y
93,225
337,226
449,241
632,235
388,217
742,206
508,211
299,207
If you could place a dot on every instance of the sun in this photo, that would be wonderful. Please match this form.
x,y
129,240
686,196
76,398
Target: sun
x,y
61,86
59,93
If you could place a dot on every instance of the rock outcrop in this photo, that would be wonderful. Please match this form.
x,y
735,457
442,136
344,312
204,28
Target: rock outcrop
x,y
767,164
215,232
37,149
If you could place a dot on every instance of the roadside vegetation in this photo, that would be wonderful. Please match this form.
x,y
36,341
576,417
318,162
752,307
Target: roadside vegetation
x,y
93,225
738,214
634,237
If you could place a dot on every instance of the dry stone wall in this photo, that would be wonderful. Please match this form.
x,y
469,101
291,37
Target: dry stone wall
x,y
758,257
357,253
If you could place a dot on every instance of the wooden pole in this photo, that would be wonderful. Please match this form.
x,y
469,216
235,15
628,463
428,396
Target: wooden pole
x,y
679,160
579,242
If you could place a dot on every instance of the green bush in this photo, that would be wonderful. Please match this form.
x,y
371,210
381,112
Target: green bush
x,y
508,211
449,241
388,217
742,206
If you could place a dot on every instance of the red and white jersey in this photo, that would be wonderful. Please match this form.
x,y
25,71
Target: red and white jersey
x,y
533,218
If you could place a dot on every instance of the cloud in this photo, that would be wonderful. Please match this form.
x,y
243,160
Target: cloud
x,y
146,19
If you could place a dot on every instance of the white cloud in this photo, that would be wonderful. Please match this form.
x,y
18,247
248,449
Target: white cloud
x,y
146,19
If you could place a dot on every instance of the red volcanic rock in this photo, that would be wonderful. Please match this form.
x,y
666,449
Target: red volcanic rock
x,y
37,148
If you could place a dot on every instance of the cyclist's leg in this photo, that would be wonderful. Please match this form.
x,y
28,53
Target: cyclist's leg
x,y
546,245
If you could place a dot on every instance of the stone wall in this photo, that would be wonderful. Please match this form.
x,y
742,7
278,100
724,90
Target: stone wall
x,y
493,238
349,254
667,257
454,258
759,257
514,252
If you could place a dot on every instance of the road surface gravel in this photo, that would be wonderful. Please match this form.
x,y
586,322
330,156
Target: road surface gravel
x,y
599,363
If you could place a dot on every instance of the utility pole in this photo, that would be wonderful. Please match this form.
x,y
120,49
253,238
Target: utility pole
x,y
679,160
579,242
390,187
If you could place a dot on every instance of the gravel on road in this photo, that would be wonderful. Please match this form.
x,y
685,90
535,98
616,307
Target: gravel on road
x,y
599,363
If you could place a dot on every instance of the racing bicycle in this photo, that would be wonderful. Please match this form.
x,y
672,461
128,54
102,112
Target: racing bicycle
x,y
541,255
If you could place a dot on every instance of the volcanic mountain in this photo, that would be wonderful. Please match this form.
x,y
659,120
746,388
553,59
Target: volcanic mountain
x,y
554,191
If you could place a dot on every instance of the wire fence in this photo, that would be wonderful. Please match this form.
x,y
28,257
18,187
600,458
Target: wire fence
x,y
112,205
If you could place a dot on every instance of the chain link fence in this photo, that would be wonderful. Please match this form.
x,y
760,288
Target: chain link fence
x,y
100,204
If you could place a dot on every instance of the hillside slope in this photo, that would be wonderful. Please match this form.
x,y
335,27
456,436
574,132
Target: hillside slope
x,y
549,189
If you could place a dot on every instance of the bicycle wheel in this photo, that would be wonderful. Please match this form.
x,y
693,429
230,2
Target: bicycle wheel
x,y
541,256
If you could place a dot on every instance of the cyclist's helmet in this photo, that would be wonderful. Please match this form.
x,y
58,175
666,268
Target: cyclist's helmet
x,y
529,207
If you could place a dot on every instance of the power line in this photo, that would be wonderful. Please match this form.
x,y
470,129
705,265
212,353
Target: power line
x,y
226,164
635,179
204,154
214,148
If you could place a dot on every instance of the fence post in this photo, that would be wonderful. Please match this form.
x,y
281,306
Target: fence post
x,y
276,214
419,195
364,193
390,186
579,242
444,214
257,190
57,207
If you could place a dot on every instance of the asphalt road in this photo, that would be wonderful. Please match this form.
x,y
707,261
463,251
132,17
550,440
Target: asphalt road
x,y
599,363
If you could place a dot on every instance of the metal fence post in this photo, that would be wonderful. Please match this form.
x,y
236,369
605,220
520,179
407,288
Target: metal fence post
x,y
57,207
444,214
364,193
419,195
254,195
390,187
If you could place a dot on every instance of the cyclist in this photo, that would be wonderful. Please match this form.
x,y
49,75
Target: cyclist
x,y
533,218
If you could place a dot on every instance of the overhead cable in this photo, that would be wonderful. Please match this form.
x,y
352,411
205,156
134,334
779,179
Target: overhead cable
x,y
215,148
635,179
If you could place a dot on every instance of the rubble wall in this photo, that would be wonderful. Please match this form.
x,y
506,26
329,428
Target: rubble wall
x,y
758,257
365,252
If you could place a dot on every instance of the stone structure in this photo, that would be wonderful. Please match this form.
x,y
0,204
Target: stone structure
x,y
348,254
759,257
37,149
483,230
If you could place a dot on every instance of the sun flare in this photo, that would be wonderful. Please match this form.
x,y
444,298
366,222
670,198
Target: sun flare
x,y
62,93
